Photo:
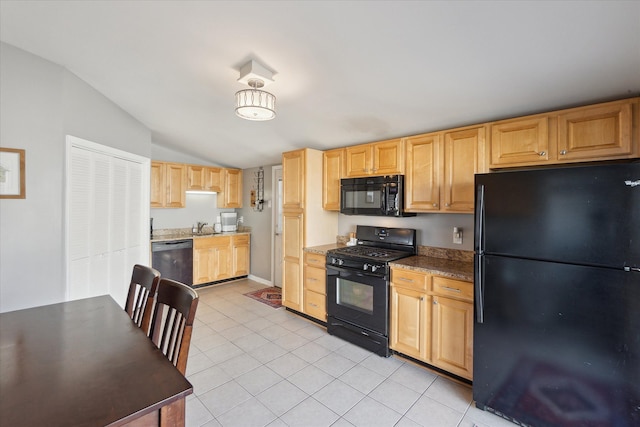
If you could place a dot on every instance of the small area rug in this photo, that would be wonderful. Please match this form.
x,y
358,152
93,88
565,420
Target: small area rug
x,y
270,296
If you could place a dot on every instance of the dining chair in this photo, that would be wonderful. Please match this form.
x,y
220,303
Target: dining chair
x,y
170,320
144,281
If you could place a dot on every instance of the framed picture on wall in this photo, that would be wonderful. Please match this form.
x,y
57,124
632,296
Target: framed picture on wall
x,y
12,175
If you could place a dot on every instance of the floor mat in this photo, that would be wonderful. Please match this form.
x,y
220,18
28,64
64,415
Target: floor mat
x,y
270,296
540,394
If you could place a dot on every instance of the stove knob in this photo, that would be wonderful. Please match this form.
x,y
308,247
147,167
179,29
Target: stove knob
x,y
340,261
374,268
365,267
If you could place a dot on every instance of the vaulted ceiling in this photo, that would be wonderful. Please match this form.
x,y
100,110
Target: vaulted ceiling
x,y
346,72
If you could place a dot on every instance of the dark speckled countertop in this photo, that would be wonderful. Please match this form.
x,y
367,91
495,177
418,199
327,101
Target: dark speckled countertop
x,y
180,234
455,269
451,263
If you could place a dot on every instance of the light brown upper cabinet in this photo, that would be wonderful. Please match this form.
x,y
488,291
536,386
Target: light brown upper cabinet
x,y
332,165
440,170
231,194
596,132
522,141
293,183
204,178
423,170
168,185
378,158
463,158
213,179
196,177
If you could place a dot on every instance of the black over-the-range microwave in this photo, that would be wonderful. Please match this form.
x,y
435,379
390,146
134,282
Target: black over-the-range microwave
x,y
374,195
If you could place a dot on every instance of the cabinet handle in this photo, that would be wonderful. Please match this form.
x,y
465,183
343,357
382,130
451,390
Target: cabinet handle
x,y
421,298
313,305
563,152
447,288
542,153
447,204
313,261
435,301
311,279
435,205
404,279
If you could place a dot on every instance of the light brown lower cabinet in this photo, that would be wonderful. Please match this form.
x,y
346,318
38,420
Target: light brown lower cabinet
x,y
431,320
220,257
240,255
315,284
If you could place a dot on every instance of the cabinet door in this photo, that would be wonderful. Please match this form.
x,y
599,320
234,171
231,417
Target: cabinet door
x,y
213,179
293,175
461,162
452,336
409,322
520,142
358,160
332,162
388,157
422,179
240,254
221,258
202,264
196,177
158,185
176,183
231,196
596,133
292,243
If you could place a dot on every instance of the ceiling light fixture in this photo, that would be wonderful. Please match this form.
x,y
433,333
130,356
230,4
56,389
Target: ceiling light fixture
x,y
255,104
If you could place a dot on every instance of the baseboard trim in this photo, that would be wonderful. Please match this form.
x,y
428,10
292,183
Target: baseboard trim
x,y
260,280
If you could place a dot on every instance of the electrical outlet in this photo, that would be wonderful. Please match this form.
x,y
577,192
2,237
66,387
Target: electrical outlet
x,y
457,235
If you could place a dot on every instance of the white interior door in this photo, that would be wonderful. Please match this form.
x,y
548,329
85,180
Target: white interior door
x,y
276,207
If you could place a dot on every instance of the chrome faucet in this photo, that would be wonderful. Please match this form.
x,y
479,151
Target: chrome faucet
x,y
200,226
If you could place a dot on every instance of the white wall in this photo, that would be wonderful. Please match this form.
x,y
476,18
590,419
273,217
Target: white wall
x,y
260,222
432,229
41,102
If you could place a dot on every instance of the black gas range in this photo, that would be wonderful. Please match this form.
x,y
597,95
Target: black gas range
x,y
358,285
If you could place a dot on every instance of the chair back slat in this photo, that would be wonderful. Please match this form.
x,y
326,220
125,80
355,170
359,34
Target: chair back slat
x,y
170,320
144,281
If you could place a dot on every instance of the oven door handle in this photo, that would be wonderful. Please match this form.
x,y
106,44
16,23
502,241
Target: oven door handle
x,y
356,272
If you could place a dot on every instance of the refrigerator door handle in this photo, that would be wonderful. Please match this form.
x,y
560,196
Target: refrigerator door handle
x,y
479,288
479,219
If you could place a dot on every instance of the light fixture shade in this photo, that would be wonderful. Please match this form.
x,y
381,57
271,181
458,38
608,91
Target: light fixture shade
x,y
254,104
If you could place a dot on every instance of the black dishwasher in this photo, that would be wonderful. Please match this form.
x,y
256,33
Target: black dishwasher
x,y
174,259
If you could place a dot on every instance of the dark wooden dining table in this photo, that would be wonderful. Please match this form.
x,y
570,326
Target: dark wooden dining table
x,y
85,363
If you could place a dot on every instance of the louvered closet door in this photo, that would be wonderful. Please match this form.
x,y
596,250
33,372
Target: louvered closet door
x,y
107,219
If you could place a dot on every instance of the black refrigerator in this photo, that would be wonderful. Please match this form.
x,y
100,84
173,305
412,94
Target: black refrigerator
x,y
557,296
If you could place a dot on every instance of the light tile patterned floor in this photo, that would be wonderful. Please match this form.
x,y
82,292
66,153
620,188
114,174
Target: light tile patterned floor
x,y
252,365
